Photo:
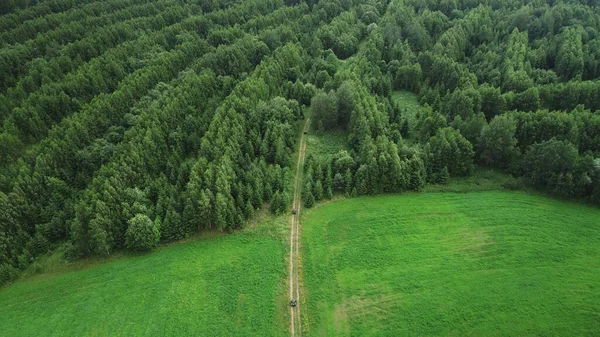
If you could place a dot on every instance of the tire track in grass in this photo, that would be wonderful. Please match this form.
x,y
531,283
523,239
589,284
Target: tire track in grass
x,y
295,317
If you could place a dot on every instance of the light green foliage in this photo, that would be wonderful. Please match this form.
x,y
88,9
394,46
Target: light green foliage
x,y
569,59
142,234
449,150
492,102
342,34
428,124
443,263
516,67
463,103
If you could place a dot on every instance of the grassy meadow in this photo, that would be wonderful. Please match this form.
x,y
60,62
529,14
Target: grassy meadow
x,y
213,285
485,263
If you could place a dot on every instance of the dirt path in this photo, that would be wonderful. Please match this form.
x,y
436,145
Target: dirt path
x,y
295,317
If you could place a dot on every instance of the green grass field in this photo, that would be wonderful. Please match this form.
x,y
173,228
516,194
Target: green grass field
x,y
462,264
215,285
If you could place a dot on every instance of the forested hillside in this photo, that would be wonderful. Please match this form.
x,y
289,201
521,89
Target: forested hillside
x,y
133,122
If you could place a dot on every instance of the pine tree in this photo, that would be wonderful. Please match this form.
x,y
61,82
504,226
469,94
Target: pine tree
x,y
307,195
318,190
172,228
328,178
248,210
348,182
221,212
309,199
277,206
329,193
443,176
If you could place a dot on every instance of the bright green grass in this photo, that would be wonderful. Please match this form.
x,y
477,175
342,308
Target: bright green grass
x,y
409,103
220,285
473,264
406,99
323,144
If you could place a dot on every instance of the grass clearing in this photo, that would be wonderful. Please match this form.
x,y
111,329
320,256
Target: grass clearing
x,y
213,285
321,144
487,263
409,105
406,99
482,179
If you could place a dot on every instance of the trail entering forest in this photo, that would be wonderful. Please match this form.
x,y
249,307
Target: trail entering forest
x,y
295,318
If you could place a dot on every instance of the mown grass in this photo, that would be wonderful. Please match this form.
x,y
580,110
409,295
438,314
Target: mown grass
x,y
491,263
213,285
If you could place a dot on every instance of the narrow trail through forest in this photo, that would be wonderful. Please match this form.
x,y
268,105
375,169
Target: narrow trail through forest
x,y
295,318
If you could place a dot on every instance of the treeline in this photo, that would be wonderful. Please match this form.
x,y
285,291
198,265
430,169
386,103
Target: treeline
x,y
84,41
151,121
127,161
496,92
91,12
30,9
45,96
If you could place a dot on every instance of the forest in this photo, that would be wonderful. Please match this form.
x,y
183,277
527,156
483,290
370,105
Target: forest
x,y
129,123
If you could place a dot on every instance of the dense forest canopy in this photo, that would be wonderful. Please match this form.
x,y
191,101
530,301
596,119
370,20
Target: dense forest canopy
x,y
132,122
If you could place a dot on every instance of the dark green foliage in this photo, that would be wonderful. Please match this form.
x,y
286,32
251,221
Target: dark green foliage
x,y
172,228
348,181
492,102
346,97
470,127
324,110
497,143
408,78
529,100
463,103
416,172
552,165
429,123
307,195
543,125
339,182
318,190
279,203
